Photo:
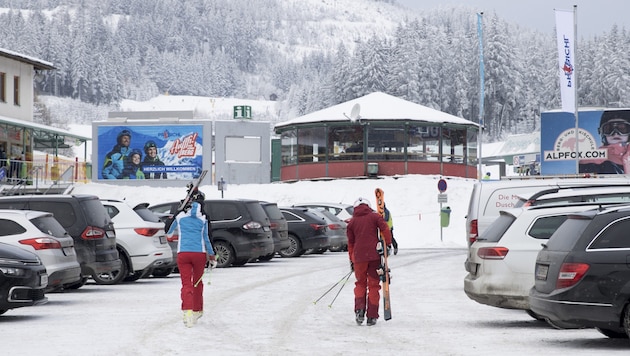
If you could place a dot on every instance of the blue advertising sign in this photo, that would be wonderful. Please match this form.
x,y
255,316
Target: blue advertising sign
x,y
601,140
150,152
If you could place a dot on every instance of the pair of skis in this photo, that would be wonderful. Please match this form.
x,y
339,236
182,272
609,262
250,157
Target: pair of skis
x,y
384,269
192,189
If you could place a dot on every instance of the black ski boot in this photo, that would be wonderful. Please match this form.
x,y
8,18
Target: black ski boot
x,y
360,316
371,321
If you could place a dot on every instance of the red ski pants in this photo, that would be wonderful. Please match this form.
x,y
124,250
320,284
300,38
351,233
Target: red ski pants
x,y
191,265
367,287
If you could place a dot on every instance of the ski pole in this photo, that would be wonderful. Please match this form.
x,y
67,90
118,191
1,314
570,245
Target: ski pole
x,y
339,291
333,286
200,278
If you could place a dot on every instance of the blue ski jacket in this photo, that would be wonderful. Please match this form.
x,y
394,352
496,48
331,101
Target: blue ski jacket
x,y
192,226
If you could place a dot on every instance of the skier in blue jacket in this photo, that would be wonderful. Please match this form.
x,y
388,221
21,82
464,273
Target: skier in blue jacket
x,y
193,251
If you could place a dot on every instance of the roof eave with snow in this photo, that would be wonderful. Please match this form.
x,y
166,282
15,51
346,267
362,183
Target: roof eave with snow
x,y
378,107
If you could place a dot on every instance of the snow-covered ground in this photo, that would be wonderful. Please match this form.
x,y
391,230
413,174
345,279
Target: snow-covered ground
x,y
268,308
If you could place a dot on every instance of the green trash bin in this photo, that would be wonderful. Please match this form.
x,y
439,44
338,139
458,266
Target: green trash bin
x,y
445,216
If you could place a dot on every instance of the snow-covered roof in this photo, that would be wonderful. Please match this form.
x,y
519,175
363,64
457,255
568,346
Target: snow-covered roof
x,y
378,106
37,63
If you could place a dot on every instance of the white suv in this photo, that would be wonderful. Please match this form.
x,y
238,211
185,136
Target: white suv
x,y
140,238
500,263
40,233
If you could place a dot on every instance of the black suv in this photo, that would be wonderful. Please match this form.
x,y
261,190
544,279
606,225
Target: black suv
x,y
307,230
279,229
241,230
86,220
23,278
582,277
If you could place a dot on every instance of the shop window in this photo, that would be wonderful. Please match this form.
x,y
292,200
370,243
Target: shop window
x,y
423,143
288,141
3,87
311,144
345,143
386,143
16,90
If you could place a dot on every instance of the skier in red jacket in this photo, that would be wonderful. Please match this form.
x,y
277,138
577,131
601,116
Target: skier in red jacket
x,y
365,260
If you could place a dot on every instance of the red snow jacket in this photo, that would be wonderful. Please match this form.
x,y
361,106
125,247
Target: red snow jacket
x,y
363,234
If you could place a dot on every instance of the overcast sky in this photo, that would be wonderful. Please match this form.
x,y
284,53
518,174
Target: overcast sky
x,y
594,17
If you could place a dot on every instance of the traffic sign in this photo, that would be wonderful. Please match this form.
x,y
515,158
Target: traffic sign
x,y
442,185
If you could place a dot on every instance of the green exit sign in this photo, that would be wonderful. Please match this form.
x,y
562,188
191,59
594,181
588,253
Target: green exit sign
x,y
242,112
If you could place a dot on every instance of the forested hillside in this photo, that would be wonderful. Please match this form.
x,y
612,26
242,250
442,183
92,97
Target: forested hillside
x,y
308,54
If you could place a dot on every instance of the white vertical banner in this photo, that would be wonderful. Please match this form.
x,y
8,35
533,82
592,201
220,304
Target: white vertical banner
x,y
565,31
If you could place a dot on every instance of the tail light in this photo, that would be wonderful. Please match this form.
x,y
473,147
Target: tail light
x,y
334,227
252,225
146,231
42,243
274,226
492,253
172,238
92,233
474,232
318,227
570,274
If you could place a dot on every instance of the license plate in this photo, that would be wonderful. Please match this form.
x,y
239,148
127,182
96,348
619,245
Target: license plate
x,y
541,272
163,240
111,234
266,228
69,251
43,280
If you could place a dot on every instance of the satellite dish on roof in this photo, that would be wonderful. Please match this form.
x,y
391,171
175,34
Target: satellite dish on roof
x,y
354,114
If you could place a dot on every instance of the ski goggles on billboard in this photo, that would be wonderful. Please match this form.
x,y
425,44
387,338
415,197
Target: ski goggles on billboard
x,y
619,128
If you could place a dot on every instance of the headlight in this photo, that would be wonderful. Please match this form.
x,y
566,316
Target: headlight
x,y
12,271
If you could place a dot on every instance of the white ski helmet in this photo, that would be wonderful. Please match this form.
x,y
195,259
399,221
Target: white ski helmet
x,y
361,201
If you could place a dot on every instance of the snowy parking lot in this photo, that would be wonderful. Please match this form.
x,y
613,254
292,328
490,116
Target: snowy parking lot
x,y
268,309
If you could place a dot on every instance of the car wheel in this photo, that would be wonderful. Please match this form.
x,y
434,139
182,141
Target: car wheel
x,y
162,272
113,277
294,249
224,254
626,320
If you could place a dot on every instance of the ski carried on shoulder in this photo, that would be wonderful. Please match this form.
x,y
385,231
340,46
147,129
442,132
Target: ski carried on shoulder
x,y
383,251
192,187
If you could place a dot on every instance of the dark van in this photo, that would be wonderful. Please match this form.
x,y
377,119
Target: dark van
x,y
87,221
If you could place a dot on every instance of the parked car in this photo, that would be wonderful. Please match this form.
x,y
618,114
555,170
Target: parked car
x,y
500,263
241,230
582,275
489,197
343,211
336,231
23,278
307,230
140,237
85,219
40,233
279,229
